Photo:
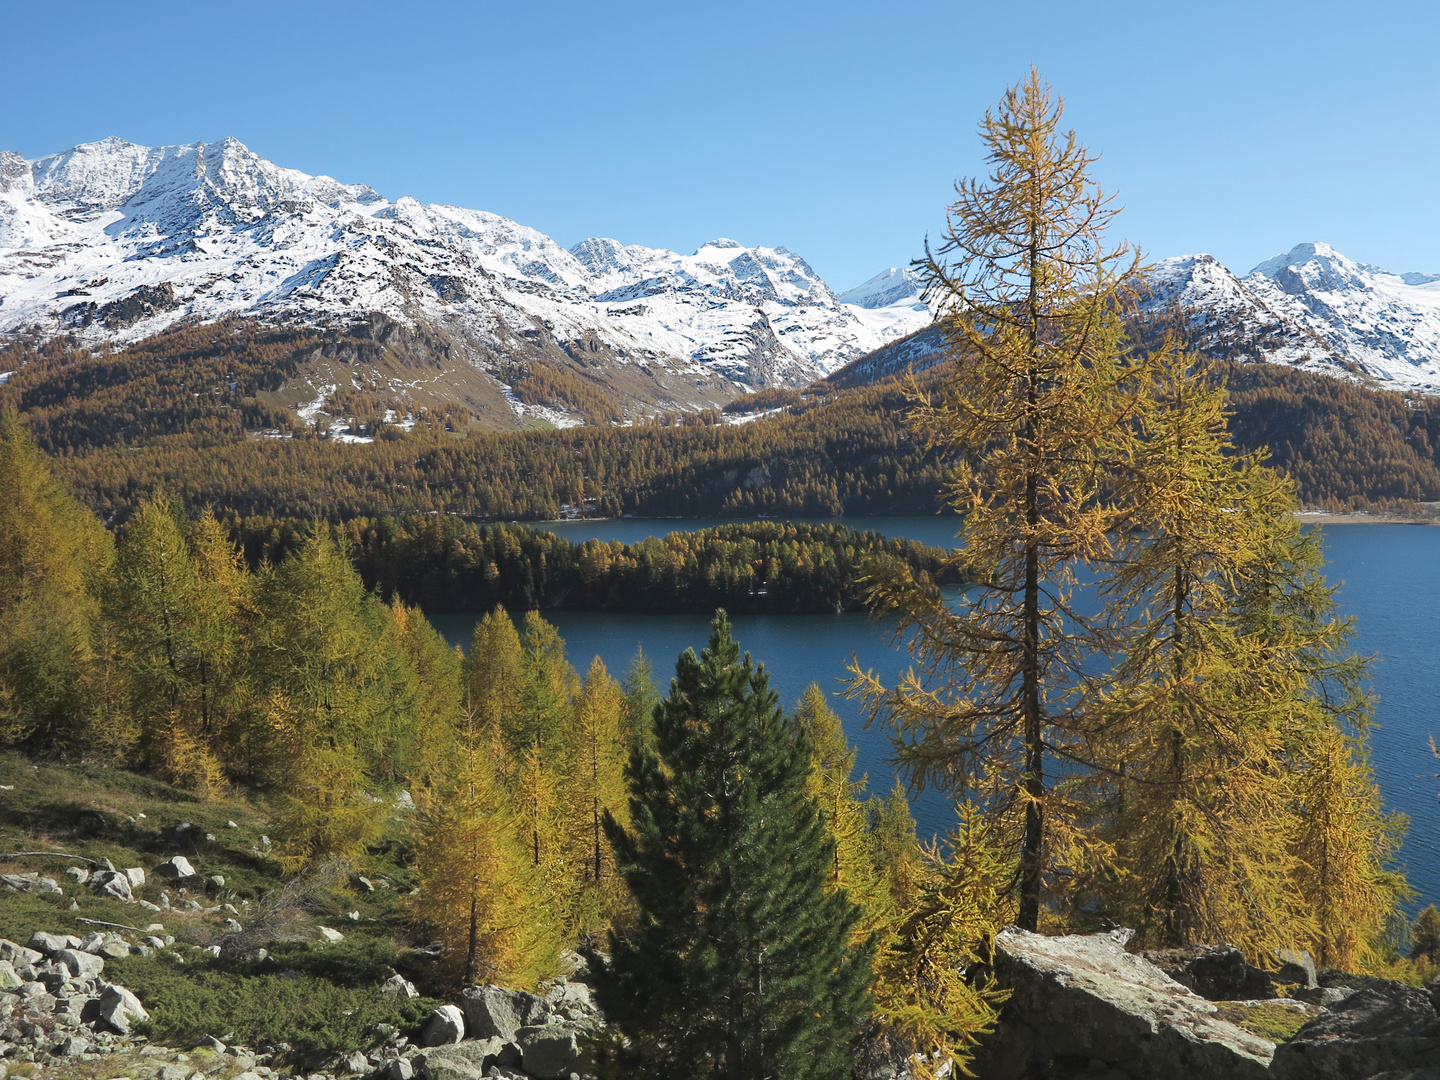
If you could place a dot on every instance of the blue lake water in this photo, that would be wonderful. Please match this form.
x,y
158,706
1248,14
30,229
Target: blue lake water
x,y
1389,577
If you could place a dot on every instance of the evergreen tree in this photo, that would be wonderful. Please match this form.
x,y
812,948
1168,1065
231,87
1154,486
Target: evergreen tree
x,y
596,784
738,965
843,810
1425,934
641,697
1029,298
426,698
928,994
225,615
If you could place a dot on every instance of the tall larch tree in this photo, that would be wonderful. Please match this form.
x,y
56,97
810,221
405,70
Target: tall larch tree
x,y
321,655
54,556
476,884
1193,752
157,607
1029,298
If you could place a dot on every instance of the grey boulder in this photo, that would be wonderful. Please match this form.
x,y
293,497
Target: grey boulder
x,y
83,965
177,867
1083,997
1296,966
447,1025
1386,1027
49,943
467,1060
119,1009
19,955
551,1052
495,1011
399,986
112,883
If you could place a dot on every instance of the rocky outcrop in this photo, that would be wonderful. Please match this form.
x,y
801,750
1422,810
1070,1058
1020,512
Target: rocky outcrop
x,y
1215,972
1385,1028
1081,1002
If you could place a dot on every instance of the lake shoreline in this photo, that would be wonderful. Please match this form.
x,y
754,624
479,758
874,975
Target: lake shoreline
x,y
1309,517
1362,517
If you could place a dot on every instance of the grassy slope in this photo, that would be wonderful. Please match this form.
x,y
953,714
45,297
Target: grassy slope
x,y
310,994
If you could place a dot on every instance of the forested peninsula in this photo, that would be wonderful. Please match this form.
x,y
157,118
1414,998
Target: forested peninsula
x,y
442,563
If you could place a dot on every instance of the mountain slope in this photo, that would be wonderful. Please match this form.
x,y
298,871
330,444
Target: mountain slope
x,y
113,242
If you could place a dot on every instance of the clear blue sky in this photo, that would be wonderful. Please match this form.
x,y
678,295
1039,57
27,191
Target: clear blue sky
x,y
835,129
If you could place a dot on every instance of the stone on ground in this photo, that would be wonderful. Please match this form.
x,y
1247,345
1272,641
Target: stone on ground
x,y
1083,997
447,1025
551,1052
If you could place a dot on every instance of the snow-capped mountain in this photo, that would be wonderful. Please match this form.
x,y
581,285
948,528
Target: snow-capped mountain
x,y
1315,308
114,242
1311,308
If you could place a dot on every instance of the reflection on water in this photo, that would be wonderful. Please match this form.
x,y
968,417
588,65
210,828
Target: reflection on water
x,y
1391,585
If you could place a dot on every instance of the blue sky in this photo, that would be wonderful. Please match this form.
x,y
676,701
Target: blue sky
x,y
834,129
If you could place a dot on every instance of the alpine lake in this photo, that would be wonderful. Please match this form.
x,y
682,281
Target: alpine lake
x,y
1388,578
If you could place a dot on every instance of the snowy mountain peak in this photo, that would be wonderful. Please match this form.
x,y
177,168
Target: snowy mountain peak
x,y
113,241
890,286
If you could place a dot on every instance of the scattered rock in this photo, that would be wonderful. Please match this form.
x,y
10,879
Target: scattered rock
x,y
49,943
112,883
8,979
327,934
214,1045
468,1060
354,1062
119,1008
72,1046
77,874
18,955
136,876
1083,997
1325,996
1382,1028
32,883
399,986
177,867
447,1025
83,965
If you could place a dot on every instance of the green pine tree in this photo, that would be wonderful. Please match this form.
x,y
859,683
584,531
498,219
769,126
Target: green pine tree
x,y
739,964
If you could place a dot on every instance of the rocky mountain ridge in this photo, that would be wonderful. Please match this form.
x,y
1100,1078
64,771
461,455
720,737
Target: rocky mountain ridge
x,y
113,242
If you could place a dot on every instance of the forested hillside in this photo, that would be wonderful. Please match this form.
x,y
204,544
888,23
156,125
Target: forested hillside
x,y
185,412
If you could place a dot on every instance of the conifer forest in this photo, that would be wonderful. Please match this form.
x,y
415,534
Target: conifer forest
x,y
1143,707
